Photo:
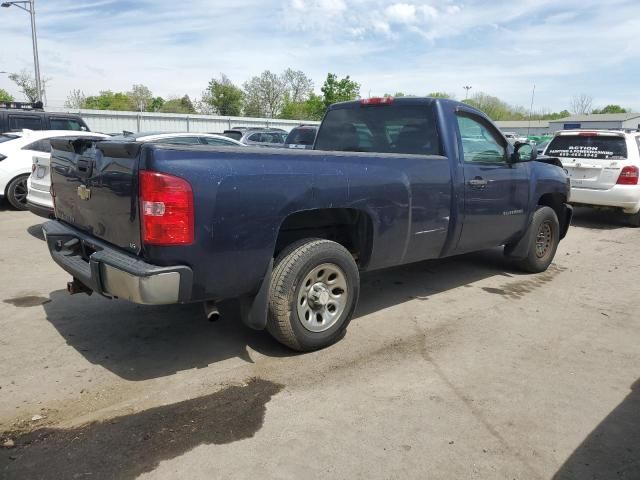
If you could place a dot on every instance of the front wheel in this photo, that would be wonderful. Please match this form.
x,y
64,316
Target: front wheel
x,y
17,192
543,242
313,294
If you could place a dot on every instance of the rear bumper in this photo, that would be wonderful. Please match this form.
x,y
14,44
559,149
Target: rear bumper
x,y
112,273
40,210
626,197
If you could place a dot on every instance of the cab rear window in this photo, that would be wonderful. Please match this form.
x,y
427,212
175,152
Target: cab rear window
x,y
598,147
383,129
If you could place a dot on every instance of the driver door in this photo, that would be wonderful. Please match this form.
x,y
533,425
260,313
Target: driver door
x,y
496,192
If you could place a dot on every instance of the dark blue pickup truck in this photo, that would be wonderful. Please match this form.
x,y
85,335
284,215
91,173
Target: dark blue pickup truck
x,y
285,233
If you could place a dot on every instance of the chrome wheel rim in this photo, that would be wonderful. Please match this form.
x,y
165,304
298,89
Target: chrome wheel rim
x,y
322,297
20,192
543,239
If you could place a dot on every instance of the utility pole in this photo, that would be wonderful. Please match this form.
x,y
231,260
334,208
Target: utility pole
x,y
533,94
466,93
29,7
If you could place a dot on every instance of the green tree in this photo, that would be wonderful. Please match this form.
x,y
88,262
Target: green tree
x,y
178,105
4,96
141,97
339,90
299,86
75,99
108,100
156,104
223,97
265,94
441,95
495,108
610,109
27,84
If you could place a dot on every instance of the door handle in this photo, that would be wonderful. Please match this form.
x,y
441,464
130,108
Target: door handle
x,y
478,182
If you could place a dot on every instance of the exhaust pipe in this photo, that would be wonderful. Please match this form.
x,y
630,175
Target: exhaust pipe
x,y
78,287
211,311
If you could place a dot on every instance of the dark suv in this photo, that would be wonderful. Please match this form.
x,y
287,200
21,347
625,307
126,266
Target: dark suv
x,y
302,137
14,116
262,137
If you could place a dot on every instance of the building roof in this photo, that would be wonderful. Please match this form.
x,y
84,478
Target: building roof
x,y
502,124
598,117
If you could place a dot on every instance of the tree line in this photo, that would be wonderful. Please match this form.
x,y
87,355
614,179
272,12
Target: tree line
x,y
289,94
286,95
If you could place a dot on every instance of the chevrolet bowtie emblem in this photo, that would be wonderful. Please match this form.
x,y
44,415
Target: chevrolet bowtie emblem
x,y
84,193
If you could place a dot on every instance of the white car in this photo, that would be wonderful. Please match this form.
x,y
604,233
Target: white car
x,y
39,199
16,152
604,166
513,137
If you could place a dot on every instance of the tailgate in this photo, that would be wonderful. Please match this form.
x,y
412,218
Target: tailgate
x,y
95,185
593,160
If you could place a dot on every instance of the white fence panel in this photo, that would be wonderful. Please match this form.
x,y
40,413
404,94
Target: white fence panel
x,y
109,121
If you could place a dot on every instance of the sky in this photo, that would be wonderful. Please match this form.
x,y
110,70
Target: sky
x,y
500,47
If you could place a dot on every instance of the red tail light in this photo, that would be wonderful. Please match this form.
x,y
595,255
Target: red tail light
x,y
166,209
629,176
377,101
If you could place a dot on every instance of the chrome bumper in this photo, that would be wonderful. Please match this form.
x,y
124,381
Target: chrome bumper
x,y
112,273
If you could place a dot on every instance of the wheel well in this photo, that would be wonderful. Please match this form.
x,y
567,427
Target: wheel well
x,y
555,201
349,227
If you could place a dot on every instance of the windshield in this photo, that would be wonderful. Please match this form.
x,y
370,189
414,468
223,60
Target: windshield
x,y
301,136
5,137
384,129
599,147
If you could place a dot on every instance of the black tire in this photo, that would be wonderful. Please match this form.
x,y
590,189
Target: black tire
x,y
543,242
294,264
634,220
17,192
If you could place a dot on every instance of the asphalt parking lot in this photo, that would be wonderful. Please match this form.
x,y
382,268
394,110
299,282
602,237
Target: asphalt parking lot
x,y
462,368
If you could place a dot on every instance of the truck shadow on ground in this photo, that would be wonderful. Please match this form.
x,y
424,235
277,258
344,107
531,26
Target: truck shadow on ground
x,y
36,231
612,450
599,219
142,342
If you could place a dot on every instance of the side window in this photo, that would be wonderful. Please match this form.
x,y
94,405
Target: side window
x,y
43,145
256,137
18,122
179,141
66,124
638,142
480,143
216,141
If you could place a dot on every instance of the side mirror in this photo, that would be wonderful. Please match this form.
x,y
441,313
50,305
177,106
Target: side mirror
x,y
523,152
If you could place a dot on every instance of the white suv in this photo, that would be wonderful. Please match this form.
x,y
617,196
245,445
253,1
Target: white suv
x,y
604,166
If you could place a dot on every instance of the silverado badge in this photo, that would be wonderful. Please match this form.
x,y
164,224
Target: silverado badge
x,y
84,193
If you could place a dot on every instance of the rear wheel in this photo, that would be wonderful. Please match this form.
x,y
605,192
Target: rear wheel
x,y
314,291
634,220
545,236
17,192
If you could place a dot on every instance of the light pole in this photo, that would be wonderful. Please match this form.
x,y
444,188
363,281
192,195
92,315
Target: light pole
x,y
467,88
29,7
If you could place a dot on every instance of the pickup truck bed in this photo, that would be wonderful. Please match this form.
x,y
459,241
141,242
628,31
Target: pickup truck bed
x,y
245,209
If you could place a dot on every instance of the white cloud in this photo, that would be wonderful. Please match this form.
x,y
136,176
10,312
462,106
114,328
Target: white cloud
x,y
429,12
401,13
